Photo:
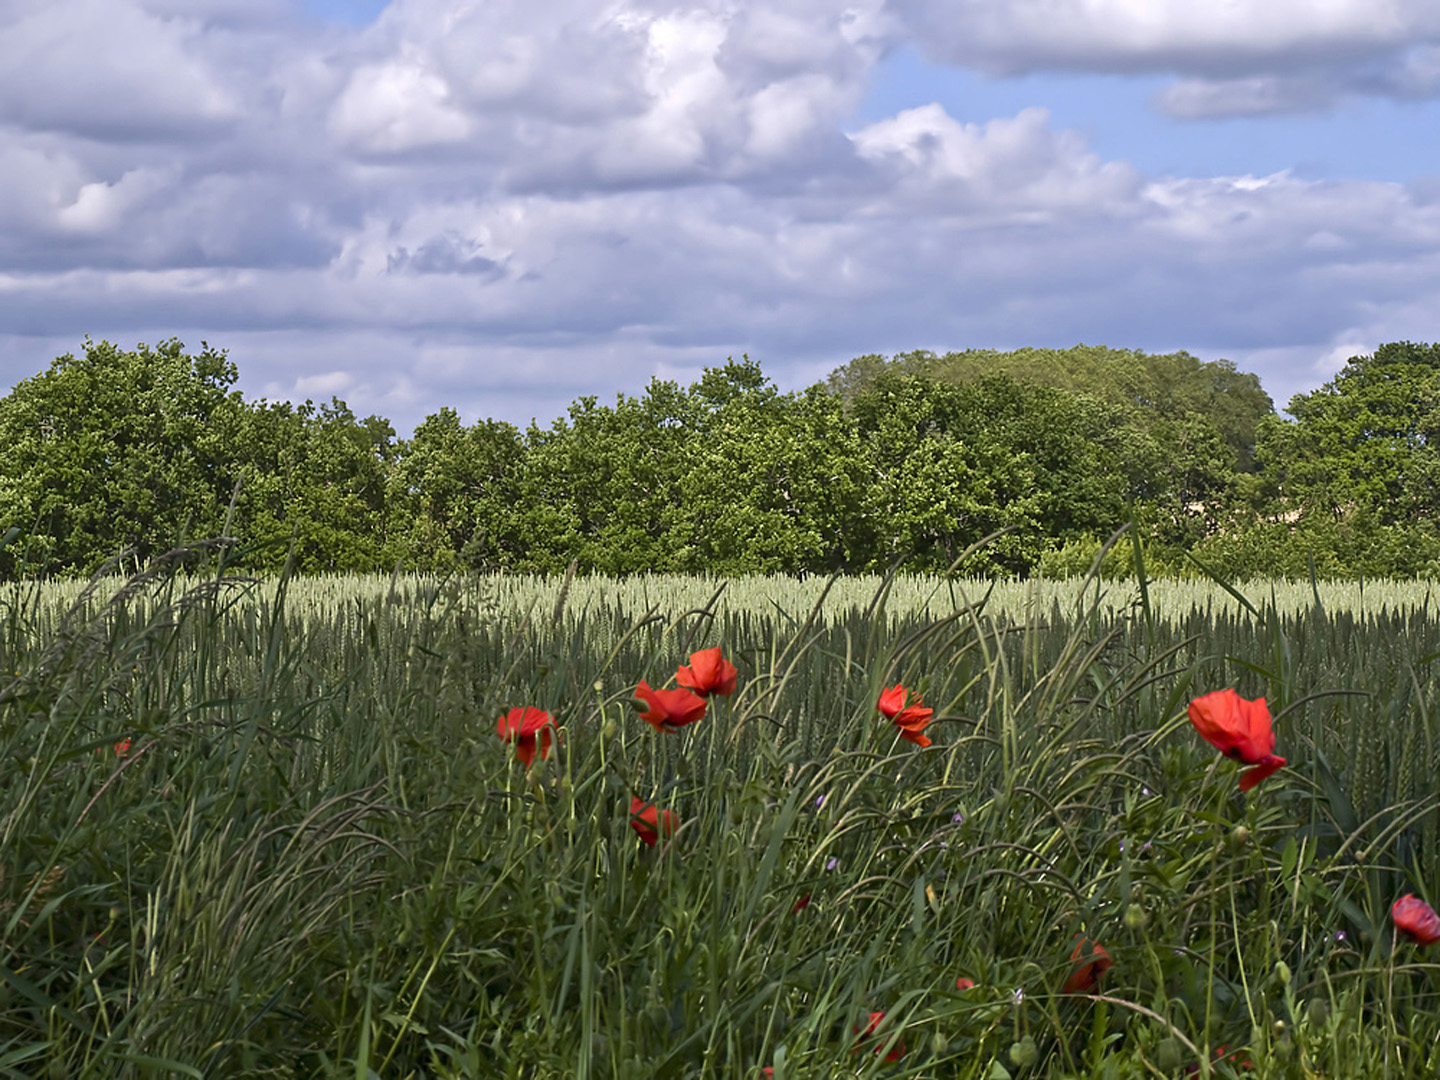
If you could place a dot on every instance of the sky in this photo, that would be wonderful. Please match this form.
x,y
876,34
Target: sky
x,y
502,205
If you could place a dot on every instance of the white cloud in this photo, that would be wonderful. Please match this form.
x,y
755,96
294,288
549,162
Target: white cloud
x,y
1213,39
108,70
501,205
395,107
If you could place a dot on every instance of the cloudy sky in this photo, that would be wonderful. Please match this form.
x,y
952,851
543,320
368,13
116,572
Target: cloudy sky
x,y
500,205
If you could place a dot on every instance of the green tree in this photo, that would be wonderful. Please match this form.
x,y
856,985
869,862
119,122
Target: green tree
x,y
1367,438
116,449
772,482
316,476
454,494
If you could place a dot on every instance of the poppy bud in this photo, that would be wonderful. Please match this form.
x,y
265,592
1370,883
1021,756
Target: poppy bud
x,y
1317,1012
1239,836
1282,973
1024,1053
607,730
1135,917
939,1044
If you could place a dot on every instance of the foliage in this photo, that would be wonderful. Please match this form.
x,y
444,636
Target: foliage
x,y
915,458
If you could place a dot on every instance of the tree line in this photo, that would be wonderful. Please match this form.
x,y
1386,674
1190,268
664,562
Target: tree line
x,y
915,457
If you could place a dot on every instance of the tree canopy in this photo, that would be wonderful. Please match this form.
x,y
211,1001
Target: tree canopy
x,y
911,458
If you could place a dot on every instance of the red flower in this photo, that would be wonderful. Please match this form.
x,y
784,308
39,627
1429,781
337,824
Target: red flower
x,y
122,747
875,1018
1220,1053
1092,961
525,727
1416,920
1239,729
909,718
649,822
962,983
801,904
708,673
669,709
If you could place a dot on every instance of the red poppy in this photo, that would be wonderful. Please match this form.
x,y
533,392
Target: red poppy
x,y
910,718
1416,920
708,673
962,983
526,728
649,823
669,710
875,1018
801,904
1239,729
1091,961
122,747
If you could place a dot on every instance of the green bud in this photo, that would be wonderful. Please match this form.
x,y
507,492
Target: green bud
x,y
1024,1053
1135,917
607,730
939,1044
1284,1049
1282,973
1317,1012
1239,836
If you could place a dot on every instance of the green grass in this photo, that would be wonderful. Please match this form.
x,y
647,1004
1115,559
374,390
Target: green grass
x,y
318,859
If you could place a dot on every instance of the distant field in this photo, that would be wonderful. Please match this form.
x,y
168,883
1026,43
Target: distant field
x,y
908,595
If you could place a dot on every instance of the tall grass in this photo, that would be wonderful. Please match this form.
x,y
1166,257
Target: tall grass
x,y
316,858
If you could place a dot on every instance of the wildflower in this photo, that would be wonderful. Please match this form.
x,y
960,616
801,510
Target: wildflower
x,y
526,728
1091,961
962,983
1239,729
831,864
708,673
1222,1053
910,718
1416,920
801,904
875,1018
669,710
649,823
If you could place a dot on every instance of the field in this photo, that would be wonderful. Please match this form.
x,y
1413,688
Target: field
x,y
269,829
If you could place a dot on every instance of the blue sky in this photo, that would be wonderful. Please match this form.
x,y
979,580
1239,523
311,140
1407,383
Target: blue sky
x,y
500,207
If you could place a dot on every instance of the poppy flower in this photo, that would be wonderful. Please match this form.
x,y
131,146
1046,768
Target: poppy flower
x,y
1091,961
962,983
708,673
908,715
801,904
527,728
875,1018
669,710
1239,729
1416,920
649,823
121,747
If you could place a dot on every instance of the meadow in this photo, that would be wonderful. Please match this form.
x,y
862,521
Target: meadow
x,y
269,828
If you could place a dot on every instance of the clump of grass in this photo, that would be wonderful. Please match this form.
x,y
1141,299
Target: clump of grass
x,y
315,857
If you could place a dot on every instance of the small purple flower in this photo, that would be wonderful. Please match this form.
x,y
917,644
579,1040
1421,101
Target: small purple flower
x,y
1018,994
832,864
819,802
958,819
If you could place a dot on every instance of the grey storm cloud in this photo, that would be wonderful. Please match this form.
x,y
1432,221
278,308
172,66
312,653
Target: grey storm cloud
x,y
505,205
